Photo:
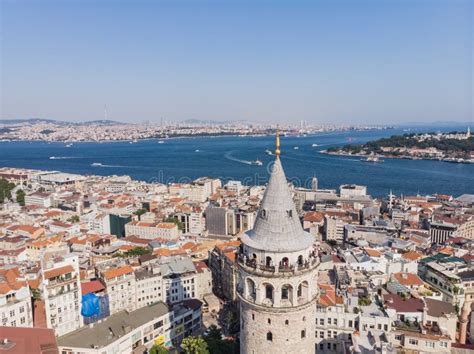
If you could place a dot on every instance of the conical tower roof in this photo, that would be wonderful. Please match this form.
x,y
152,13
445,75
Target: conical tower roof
x,y
277,227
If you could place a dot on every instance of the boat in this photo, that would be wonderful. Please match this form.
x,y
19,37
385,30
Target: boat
x,y
53,158
257,163
96,164
69,145
161,141
296,148
197,150
315,145
372,158
135,140
269,152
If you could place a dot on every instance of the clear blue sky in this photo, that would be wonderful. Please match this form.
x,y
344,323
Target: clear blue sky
x,y
379,61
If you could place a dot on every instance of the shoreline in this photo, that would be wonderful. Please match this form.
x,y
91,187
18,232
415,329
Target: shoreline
x,y
405,157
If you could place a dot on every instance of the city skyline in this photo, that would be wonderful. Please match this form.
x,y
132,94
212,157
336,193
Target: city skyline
x,y
360,63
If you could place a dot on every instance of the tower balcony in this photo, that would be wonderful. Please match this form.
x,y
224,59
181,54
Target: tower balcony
x,y
262,269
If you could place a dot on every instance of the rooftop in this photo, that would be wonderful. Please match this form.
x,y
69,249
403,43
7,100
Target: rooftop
x,y
112,328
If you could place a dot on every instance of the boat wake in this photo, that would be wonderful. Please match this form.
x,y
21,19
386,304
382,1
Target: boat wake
x,y
98,164
228,156
63,157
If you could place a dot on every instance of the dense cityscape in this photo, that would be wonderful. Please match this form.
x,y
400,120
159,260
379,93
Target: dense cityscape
x,y
96,264
107,130
236,177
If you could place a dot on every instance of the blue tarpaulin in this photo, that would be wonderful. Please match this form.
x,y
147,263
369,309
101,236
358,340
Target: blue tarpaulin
x,y
90,305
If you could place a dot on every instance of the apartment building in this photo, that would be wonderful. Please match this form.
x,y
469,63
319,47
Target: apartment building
x,y
61,290
15,299
222,265
121,287
150,231
39,199
136,331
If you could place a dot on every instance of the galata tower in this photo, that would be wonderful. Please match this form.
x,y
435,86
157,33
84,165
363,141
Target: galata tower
x,y
278,272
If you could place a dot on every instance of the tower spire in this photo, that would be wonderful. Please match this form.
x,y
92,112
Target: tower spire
x,y
277,150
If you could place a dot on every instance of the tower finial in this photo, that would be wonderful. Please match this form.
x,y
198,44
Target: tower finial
x,y
277,150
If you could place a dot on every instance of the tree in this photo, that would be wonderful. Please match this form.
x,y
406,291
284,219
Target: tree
x,y
140,212
194,345
5,189
158,349
20,197
216,344
74,219
175,221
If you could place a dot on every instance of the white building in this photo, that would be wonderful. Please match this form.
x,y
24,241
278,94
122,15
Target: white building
x,y
121,288
39,199
124,332
61,289
15,299
352,190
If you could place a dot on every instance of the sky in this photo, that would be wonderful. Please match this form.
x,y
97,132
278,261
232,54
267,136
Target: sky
x,y
356,62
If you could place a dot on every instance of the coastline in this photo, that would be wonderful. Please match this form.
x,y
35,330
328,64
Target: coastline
x,y
404,157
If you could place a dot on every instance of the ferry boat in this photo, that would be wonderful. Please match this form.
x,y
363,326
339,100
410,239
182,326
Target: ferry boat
x,y
96,164
269,152
315,145
69,145
372,158
296,148
257,163
161,141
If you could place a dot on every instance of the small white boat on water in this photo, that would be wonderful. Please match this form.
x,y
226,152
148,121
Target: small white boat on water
x,y
315,145
372,158
269,152
161,141
96,164
197,150
296,148
68,145
257,163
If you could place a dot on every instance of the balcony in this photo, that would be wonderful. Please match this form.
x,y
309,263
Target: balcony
x,y
253,266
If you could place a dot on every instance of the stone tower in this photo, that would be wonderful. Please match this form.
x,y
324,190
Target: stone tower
x,y
278,272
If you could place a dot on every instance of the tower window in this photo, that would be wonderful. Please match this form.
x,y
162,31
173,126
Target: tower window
x,y
263,214
303,334
289,213
268,261
270,336
287,322
269,292
269,321
253,316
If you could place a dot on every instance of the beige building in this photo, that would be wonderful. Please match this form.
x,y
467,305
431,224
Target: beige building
x,y
151,231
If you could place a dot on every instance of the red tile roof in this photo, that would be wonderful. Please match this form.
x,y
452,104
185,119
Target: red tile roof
x,y
91,287
28,340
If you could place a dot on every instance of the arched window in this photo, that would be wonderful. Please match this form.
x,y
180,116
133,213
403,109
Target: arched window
x,y
269,336
302,291
263,214
285,262
303,333
268,261
284,292
300,260
287,322
269,291
269,321
251,289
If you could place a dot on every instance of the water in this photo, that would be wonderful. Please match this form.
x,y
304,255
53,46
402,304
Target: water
x,y
182,160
